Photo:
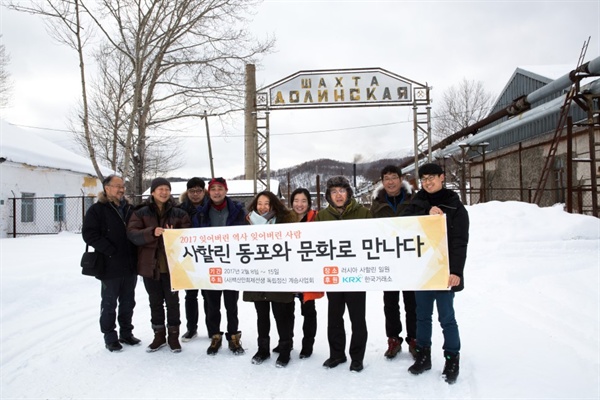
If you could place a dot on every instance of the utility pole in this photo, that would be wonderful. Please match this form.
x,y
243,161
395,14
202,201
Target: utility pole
x,y
210,157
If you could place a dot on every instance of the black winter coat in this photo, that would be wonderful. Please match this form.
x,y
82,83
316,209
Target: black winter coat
x,y
104,228
186,205
277,297
457,225
381,208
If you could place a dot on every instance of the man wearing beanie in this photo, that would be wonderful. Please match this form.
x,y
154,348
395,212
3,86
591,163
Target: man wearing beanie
x,y
159,182
145,229
190,200
343,206
220,210
434,199
390,200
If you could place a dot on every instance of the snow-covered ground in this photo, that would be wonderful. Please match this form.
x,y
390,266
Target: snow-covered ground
x,y
528,318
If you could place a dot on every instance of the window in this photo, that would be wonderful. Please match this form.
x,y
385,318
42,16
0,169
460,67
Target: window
x,y
27,207
59,208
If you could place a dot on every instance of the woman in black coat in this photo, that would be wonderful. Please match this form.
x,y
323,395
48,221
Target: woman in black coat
x,y
266,208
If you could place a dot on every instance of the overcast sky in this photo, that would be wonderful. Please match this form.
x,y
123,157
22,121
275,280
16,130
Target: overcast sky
x,y
433,42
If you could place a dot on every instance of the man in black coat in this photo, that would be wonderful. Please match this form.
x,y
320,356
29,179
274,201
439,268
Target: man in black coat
x,y
434,199
388,202
104,228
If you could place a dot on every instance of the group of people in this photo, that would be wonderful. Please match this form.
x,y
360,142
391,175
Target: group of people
x,y
130,238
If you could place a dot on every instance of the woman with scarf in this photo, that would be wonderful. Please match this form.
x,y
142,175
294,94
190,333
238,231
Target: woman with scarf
x,y
266,208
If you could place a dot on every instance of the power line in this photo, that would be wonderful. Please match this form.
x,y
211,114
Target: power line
x,y
273,134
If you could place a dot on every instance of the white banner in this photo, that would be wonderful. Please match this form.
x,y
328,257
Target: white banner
x,y
402,253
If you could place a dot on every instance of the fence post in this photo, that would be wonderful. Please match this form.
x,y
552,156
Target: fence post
x,y
520,171
82,209
14,217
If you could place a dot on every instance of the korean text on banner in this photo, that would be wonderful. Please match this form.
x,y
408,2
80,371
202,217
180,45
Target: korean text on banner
x,y
401,253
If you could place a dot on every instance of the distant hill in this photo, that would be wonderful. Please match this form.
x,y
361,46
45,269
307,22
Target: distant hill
x,y
305,174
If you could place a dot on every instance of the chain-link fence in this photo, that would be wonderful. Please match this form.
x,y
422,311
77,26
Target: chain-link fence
x,y
46,215
50,215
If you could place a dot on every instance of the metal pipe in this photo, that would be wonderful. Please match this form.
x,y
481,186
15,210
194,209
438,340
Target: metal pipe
x,y
529,116
518,106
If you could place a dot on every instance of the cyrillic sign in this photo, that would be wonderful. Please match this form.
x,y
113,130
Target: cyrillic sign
x,y
341,88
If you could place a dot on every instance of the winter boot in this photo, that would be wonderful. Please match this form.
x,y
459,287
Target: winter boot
x,y
174,339
277,348
422,362
130,340
215,344
235,343
307,347
263,352
160,339
114,346
394,347
285,348
412,347
450,372
189,335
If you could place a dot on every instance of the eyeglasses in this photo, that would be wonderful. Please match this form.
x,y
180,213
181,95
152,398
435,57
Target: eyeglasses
x,y
117,186
391,178
428,178
195,191
338,191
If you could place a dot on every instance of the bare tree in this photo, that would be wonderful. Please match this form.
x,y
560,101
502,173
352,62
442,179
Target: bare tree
x,y
181,58
5,81
186,57
64,23
462,106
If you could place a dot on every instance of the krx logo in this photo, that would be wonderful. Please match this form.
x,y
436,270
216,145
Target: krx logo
x,y
352,279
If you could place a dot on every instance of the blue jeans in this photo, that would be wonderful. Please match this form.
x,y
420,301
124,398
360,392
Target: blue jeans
x,y
445,307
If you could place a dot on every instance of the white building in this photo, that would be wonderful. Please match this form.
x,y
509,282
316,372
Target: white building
x,y
37,179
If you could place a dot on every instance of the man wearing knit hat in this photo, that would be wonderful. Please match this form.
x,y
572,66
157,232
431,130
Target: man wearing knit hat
x,y
145,229
343,206
434,199
190,201
220,210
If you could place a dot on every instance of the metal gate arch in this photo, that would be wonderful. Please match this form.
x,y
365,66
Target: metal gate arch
x,y
330,88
